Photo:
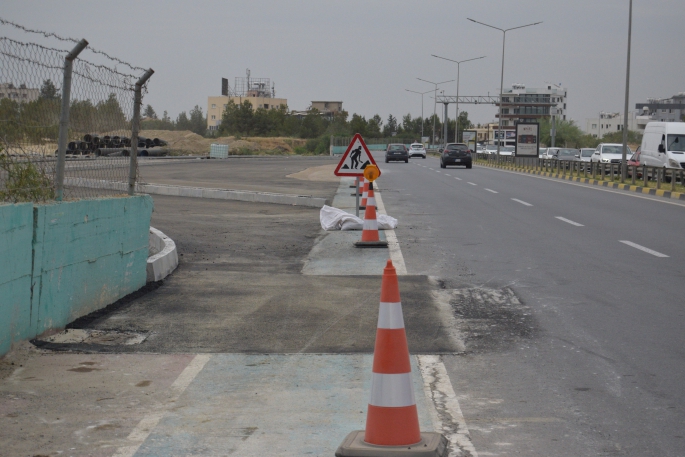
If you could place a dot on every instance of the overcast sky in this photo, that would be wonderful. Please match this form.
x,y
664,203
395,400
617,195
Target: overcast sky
x,y
366,53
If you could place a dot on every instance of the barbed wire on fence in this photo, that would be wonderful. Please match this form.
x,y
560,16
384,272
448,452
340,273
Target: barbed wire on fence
x,y
100,124
67,39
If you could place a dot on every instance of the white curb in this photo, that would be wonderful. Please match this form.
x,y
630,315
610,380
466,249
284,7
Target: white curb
x,y
160,265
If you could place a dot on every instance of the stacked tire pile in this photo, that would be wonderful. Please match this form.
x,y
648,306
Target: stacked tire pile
x,y
116,146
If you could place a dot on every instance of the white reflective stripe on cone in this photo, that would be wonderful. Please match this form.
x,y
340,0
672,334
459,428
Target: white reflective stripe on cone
x,y
371,201
370,224
390,316
392,390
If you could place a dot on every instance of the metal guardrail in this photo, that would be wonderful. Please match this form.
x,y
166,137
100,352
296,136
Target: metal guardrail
x,y
591,170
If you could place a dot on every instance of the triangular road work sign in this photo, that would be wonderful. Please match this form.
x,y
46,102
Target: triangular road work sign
x,y
355,159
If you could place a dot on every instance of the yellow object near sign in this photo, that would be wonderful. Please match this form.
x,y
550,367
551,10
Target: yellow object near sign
x,y
371,172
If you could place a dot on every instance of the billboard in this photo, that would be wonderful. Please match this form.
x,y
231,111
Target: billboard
x,y
509,134
527,139
224,87
469,137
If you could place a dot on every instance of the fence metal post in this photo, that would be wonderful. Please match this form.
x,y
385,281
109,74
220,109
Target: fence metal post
x,y
138,100
672,179
658,178
644,175
64,118
632,179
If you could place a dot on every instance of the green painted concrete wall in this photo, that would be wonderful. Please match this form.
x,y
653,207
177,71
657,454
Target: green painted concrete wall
x,y
81,256
16,236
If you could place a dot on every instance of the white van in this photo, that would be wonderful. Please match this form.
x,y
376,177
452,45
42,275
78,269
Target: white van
x,y
663,145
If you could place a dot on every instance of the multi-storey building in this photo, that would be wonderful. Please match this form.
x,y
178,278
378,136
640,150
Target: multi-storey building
x,y
21,94
521,104
664,109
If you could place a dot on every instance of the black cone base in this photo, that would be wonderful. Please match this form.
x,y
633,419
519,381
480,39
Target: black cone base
x,y
371,244
431,445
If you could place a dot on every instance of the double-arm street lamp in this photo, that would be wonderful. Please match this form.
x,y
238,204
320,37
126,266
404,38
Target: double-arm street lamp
x,y
501,83
435,102
421,94
458,62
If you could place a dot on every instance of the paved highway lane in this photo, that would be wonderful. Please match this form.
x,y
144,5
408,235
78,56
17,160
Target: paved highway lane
x,y
570,299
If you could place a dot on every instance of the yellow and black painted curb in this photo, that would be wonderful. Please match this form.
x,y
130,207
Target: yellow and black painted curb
x,y
595,182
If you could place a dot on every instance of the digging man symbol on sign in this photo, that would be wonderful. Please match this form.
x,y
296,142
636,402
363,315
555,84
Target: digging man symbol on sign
x,y
354,155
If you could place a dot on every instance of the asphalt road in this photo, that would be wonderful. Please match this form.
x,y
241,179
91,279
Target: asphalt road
x,y
586,355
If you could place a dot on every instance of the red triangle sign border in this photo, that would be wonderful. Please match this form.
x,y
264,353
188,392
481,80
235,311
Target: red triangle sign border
x,y
359,172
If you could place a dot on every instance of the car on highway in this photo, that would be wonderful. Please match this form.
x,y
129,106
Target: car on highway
x,y
506,150
480,149
541,153
491,149
585,154
455,154
397,152
417,150
550,153
663,145
568,155
609,153
635,161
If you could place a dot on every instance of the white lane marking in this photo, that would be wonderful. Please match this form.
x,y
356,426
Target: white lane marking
x,y
569,221
437,171
393,244
448,175
642,248
473,183
493,191
653,198
521,202
457,178
446,416
149,422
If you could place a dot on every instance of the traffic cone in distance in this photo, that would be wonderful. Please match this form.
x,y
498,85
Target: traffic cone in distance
x,y
392,422
365,193
370,238
361,187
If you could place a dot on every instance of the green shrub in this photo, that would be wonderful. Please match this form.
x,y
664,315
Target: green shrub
x,y
24,181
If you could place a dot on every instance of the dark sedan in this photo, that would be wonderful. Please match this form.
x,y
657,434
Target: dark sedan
x,y
455,154
397,152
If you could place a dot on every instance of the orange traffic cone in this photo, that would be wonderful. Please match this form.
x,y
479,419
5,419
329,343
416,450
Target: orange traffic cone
x,y
370,238
392,422
365,193
391,419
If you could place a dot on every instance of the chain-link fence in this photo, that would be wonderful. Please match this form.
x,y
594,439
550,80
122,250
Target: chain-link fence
x,y
97,124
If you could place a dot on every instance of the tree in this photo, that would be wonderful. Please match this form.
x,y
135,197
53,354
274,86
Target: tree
x,y
390,126
48,90
373,129
313,124
198,121
358,124
149,112
110,115
182,121
464,123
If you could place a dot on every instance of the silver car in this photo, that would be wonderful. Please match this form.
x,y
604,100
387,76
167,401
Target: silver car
x,y
417,150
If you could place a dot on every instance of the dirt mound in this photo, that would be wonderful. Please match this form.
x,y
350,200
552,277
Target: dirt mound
x,y
187,142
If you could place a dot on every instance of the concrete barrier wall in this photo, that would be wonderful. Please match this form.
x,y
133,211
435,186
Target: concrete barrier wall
x,y
16,236
81,256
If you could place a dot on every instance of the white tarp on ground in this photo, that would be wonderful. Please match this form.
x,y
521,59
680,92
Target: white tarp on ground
x,y
337,219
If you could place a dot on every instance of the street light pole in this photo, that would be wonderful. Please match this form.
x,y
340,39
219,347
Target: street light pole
x,y
624,165
435,100
501,83
421,94
458,62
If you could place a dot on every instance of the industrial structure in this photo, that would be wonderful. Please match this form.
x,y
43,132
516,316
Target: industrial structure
x,y
259,92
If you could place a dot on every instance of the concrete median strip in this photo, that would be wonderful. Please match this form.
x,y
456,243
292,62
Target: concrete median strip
x,y
202,192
